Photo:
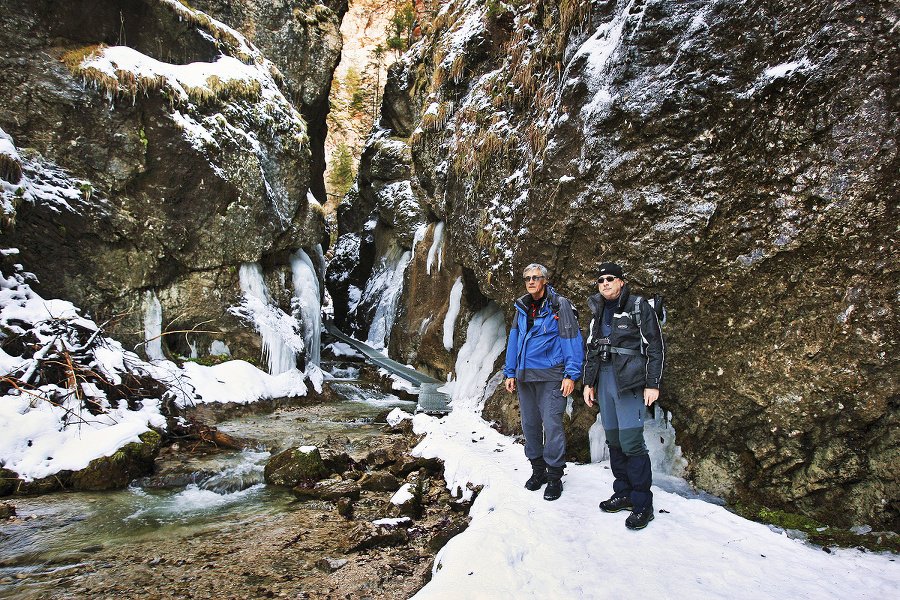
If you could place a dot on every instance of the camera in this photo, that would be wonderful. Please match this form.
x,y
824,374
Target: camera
x,y
603,352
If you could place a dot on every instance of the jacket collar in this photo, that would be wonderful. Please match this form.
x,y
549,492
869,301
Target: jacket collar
x,y
524,301
595,302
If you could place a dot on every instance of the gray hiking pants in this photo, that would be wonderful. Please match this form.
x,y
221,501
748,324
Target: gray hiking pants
x,y
622,413
542,405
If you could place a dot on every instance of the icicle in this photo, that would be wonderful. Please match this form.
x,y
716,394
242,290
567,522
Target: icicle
x,y
387,284
273,325
307,298
437,247
485,341
153,326
452,313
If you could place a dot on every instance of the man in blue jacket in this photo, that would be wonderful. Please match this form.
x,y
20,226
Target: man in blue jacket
x,y
622,373
544,356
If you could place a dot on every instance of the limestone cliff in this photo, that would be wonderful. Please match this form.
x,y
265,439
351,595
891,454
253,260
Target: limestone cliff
x,y
179,129
739,157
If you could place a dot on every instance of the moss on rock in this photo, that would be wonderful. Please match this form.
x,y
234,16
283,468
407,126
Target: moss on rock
x,y
295,466
116,471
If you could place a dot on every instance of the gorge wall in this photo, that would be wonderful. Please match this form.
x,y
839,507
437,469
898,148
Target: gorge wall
x,y
160,147
739,157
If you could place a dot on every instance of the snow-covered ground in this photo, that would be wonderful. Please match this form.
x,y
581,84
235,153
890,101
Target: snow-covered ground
x,y
520,546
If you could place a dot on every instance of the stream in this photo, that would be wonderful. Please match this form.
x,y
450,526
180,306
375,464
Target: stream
x,y
55,532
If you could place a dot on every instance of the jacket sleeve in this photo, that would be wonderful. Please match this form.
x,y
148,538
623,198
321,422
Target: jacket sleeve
x,y
512,348
570,339
655,346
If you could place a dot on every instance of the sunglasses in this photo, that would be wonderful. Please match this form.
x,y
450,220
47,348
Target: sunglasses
x,y
529,278
607,279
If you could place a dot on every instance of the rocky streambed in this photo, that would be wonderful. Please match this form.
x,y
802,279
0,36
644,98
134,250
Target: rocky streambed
x,y
206,525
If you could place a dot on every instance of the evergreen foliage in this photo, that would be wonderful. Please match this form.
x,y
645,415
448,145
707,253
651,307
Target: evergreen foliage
x,y
403,26
341,173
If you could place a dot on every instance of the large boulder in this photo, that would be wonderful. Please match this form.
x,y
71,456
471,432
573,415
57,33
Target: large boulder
x,y
331,490
129,462
369,535
295,466
144,187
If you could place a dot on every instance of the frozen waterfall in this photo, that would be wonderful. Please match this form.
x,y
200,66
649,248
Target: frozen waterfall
x,y
280,340
386,284
485,341
307,302
153,326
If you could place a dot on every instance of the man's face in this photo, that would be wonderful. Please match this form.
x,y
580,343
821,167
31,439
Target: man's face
x,y
610,287
534,283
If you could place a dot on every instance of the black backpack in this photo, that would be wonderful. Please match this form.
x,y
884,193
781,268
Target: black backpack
x,y
656,303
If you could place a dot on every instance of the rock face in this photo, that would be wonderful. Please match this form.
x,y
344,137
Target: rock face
x,y
183,143
741,161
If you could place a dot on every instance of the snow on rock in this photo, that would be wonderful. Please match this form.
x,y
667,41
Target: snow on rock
x,y
232,109
41,181
240,382
46,427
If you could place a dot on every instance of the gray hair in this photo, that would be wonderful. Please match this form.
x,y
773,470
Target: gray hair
x,y
534,266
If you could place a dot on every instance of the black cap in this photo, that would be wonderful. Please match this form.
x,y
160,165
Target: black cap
x,y
610,269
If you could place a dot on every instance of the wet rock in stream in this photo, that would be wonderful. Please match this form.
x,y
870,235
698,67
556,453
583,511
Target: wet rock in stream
x,y
339,540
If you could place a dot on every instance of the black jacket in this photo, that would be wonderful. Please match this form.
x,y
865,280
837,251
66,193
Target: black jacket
x,y
642,362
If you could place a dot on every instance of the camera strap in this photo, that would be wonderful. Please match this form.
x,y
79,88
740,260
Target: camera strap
x,y
616,350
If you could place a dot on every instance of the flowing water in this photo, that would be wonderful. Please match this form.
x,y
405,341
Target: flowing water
x,y
217,492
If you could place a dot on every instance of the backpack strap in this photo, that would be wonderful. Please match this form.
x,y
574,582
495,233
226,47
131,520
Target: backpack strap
x,y
636,317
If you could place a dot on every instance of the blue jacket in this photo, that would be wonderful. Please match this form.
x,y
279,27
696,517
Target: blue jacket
x,y
552,349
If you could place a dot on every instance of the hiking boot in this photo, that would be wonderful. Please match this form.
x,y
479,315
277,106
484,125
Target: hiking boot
x,y
537,479
554,489
638,519
616,503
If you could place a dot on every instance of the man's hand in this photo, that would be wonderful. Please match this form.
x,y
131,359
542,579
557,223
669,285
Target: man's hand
x,y
567,386
589,395
651,395
511,384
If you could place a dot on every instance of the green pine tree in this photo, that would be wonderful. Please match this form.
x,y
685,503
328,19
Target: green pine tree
x,y
341,173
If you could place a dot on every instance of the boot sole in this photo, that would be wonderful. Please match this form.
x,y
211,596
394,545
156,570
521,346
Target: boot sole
x,y
615,510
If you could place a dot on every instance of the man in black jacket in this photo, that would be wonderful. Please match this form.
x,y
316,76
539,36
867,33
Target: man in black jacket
x,y
622,373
